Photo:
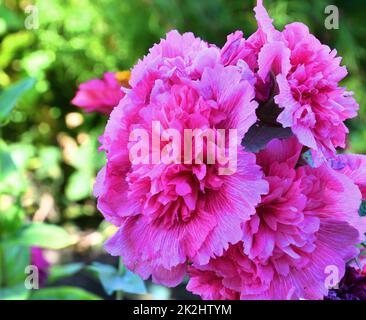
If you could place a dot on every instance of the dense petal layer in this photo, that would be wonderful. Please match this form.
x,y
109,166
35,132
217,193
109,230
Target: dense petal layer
x,y
172,213
353,166
306,227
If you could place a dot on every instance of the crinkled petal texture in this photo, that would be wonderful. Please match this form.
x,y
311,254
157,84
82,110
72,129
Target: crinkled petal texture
x,y
171,214
303,76
305,227
315,107
353,166
99,95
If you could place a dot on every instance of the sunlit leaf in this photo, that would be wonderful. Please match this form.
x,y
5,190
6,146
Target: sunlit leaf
x,y
50,158
43,236
10,96
79,186
10,18
11,180
7,164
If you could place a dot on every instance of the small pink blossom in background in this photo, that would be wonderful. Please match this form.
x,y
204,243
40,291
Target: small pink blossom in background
x,y
102,95
170,215
308,221
38,260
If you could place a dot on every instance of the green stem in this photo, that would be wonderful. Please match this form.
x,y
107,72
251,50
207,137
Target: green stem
x,y
121,270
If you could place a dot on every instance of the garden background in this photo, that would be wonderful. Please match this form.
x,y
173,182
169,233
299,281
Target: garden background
x,y
48,148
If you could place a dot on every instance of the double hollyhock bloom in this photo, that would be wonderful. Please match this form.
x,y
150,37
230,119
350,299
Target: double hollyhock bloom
x,y
102,95
353,166
272,228
308,221
298,76
172,214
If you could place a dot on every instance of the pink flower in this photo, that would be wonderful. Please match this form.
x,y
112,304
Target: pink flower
x,y
305,227
353,166
102,95
308,75
172,214
38,260
302,75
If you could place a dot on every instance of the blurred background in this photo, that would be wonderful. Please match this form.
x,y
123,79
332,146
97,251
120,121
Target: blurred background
x,y
48,148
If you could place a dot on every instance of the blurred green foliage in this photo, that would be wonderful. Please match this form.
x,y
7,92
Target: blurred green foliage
x,y
48,149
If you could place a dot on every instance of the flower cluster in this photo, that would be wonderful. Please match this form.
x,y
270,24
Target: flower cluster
x,y
307,222
276,226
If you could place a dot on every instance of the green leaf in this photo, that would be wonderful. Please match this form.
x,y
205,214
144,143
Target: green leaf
x,y
59,272
132,283
112,281
307,156
13,261
50,158
259,135
12,180
63,293
10,19
362,210
11,214
17,292
10,96
79,186
7,165
44,236
160,292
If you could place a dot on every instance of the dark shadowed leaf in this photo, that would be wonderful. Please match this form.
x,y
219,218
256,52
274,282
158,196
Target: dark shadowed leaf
x,y
259,135
362,210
